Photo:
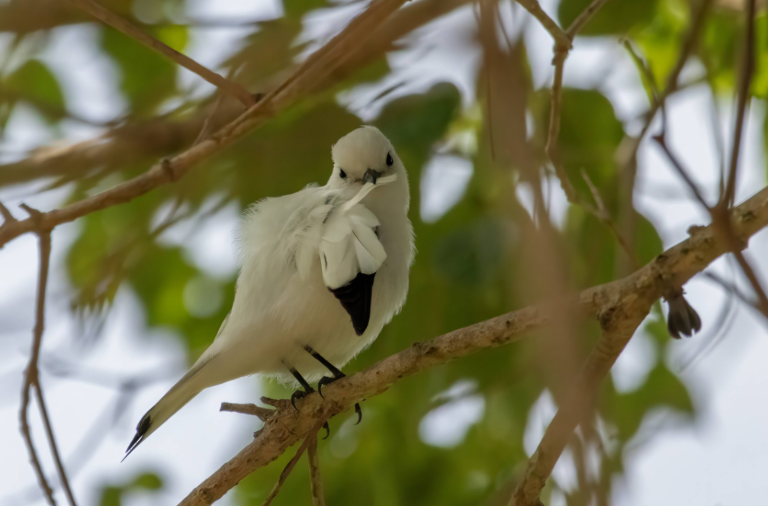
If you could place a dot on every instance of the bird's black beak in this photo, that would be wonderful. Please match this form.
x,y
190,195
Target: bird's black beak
x,y
371,176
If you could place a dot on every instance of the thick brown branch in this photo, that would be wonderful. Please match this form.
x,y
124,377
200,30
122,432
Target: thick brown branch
x,y
110,18
619,306
315,69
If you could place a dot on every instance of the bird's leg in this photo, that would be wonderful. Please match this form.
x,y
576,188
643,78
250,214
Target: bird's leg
x,y
299,394
327,380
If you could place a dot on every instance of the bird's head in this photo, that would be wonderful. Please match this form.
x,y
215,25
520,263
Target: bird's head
x,y
363,156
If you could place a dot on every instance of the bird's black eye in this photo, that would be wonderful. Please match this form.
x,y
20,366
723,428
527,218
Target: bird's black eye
x,y
390,161
342,174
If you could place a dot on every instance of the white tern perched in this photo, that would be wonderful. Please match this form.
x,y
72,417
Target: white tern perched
x,y
322,271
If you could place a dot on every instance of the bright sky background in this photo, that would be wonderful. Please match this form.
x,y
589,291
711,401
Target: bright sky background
x,y
722,459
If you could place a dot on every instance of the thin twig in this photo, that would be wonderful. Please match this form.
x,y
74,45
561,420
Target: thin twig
x,y
584,17
720,213
563,45
682,171
312,436
749,272
52,443
121,24
205,132
731,288
721,217
562,41
722,221
645,72
745,81
315,481
246,409
31,372
606,219
7,216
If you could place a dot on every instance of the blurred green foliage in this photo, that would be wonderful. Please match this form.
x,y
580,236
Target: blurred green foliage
x,y
464,272
112,495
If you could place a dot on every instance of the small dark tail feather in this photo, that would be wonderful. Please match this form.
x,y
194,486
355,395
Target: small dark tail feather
x,y
141,430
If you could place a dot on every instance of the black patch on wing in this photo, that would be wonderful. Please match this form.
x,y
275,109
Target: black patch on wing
x,y
355,297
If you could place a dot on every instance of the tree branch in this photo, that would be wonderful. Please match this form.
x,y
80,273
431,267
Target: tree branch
x,y
118,23
563,45
312,436
619,306
745,82
52,443
315,482
315,69
578,405
31,372
719,213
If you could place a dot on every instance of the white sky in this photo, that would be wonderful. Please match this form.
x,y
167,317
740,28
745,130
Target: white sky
x,y
720,460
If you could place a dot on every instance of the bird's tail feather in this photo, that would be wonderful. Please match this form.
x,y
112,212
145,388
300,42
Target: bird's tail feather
x,y
176,398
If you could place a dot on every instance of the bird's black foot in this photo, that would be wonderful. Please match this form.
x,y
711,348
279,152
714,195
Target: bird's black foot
x,y
300,394
327,380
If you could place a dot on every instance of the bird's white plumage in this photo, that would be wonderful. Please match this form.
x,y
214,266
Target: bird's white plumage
x,y
349,243
293,249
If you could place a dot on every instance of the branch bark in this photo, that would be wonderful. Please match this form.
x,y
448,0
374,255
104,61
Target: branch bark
x,y
619,307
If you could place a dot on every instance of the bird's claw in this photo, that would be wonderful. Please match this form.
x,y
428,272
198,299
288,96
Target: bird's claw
x,y
299,394
325,380
327,429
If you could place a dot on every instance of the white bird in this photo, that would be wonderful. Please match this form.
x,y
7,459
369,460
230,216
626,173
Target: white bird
x,y
322,271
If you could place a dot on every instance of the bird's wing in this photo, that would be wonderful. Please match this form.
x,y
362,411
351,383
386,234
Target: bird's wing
x,y
350,256
290,234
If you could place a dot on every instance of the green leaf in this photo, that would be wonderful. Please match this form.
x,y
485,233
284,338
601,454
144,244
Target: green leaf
x,y
111,496
616,17
589,147
34,83
147,78
147,481
662,389
296,9
471,255
660,42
